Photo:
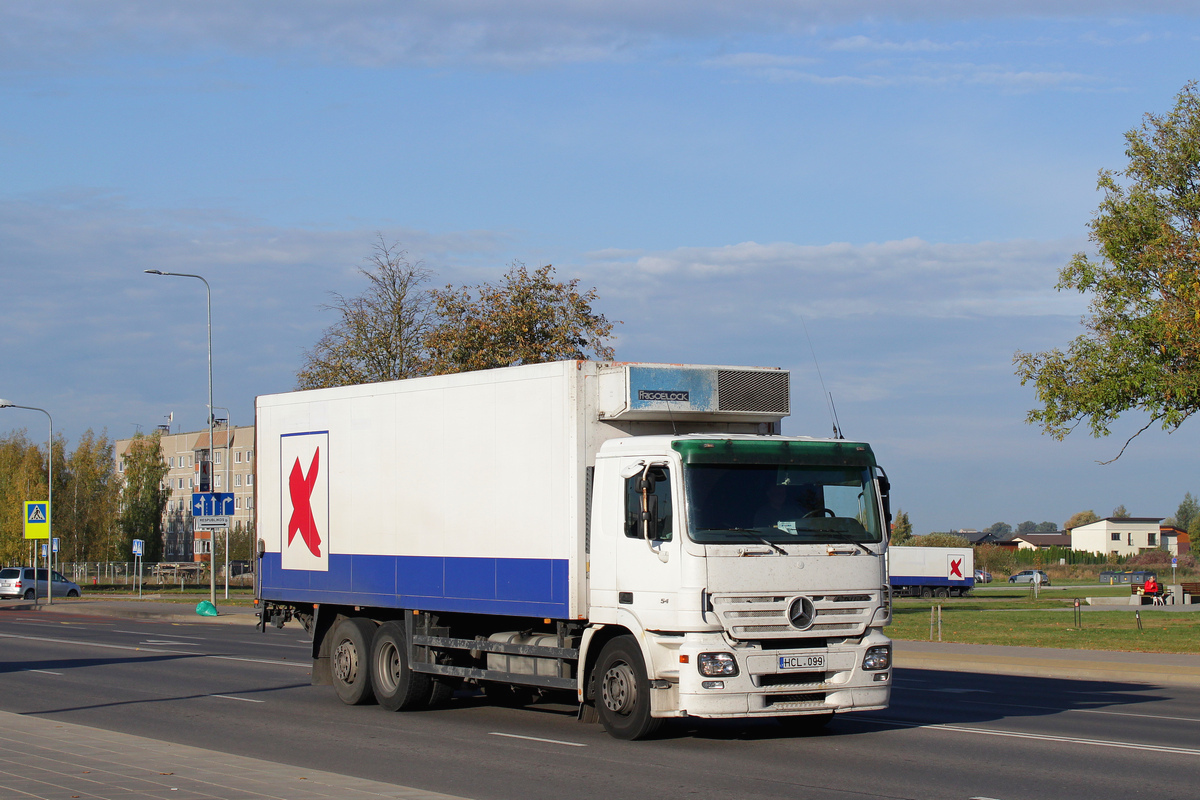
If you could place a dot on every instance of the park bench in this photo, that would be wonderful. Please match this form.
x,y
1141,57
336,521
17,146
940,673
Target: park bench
x,y
1190,591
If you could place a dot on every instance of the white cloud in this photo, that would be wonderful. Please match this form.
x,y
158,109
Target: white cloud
x,y
908,278
515,34
865,43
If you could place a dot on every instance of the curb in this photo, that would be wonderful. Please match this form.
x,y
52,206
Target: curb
x,y
128,610
1041,667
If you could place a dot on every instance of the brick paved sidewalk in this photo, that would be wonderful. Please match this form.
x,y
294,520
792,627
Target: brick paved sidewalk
x,y
50,760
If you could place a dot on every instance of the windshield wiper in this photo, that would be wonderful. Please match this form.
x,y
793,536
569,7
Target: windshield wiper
x,y
754,534
846,537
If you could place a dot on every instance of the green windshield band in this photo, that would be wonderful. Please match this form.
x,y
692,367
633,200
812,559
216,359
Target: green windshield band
x,y
768,451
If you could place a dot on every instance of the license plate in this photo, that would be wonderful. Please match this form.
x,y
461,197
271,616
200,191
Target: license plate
x,y
802,662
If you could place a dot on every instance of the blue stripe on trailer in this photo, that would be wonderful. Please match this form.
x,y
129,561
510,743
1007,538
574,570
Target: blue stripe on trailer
x,y
922,580
529,587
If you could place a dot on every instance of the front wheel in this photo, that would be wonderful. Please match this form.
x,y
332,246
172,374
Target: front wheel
x,y
623,691
350,660
72,593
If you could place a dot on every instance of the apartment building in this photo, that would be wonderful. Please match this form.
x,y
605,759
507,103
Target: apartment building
x,y
233,472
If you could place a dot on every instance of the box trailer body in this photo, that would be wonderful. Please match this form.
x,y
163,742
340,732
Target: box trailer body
x,y
576,526
931,571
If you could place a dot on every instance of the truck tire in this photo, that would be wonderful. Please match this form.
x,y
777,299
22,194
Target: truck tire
x,y
943,592
397,687
926,591
350,660
623,691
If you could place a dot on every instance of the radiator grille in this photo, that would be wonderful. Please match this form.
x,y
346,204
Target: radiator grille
x,y
753,391
756,617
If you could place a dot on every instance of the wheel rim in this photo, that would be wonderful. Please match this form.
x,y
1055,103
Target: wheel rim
x,y
345,662
387,667
618,690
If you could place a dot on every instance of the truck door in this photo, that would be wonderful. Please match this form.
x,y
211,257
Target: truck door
x,y
647,548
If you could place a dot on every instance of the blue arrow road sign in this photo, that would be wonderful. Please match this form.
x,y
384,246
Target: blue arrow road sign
x,y
212,504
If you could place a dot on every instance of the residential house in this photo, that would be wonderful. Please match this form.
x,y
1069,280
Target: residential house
x,y
1124,536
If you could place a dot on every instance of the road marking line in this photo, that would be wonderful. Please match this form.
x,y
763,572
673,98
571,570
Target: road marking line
x,y
164,641
1058,709
537,739
231,697
43,671
173,635
1044,737
1128,714
153,650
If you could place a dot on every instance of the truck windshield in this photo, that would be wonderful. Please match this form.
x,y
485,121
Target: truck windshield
x,y
781,503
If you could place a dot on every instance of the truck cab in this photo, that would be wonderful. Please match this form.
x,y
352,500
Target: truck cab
x,y
750,568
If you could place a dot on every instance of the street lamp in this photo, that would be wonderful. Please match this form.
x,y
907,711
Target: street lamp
x,y
228,488
212,572
49,501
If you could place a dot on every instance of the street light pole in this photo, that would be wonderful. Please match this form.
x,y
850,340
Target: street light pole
x,y
212,572
228,488
49,503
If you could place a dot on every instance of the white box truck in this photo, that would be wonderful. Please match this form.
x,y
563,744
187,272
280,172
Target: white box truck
x,y
931,571
639,535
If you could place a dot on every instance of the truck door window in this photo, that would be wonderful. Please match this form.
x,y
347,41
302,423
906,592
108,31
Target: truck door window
x,y
660,505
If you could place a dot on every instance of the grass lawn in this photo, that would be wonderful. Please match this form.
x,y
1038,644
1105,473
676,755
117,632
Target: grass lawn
x,y
1047,623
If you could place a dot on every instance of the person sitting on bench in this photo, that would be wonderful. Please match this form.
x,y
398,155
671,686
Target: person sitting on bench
x,y
1153,590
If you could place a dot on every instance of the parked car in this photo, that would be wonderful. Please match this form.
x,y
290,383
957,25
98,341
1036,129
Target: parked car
x,y
18,582
1026,576
983,576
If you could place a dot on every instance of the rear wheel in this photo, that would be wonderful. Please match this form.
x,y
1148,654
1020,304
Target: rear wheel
x,y
29,594
623,691
926,591
943,592
397,687
350,660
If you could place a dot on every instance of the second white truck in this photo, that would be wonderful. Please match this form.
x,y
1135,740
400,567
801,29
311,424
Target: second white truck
x,y
638,535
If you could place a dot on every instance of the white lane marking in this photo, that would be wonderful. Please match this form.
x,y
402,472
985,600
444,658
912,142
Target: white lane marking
x,y
956,691
1128,714
537,739
165,641
1042,737
153,650
172,635
231,697
1060,710
43,671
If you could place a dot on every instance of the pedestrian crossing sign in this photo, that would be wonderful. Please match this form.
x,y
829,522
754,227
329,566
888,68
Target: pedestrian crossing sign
x,y
37,520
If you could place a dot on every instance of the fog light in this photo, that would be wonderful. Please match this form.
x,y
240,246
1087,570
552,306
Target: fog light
x,y
713,684
881,677
877,657
712,665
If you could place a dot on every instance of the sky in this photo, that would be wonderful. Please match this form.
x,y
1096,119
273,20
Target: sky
x,y
874,194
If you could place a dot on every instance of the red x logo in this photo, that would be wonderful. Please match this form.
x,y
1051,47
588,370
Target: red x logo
x,y
955,566
302,521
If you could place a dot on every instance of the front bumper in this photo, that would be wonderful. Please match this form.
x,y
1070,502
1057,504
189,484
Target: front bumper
x,y
763,687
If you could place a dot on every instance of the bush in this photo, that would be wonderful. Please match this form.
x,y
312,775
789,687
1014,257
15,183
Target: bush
x,y
1160,558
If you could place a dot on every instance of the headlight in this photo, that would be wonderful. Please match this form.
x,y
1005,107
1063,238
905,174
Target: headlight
x,y
878,657
717,665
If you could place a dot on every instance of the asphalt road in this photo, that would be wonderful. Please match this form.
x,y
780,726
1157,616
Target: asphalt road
x,y
948,735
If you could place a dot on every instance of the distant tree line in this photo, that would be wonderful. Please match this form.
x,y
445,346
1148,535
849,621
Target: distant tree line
x,y
97,511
